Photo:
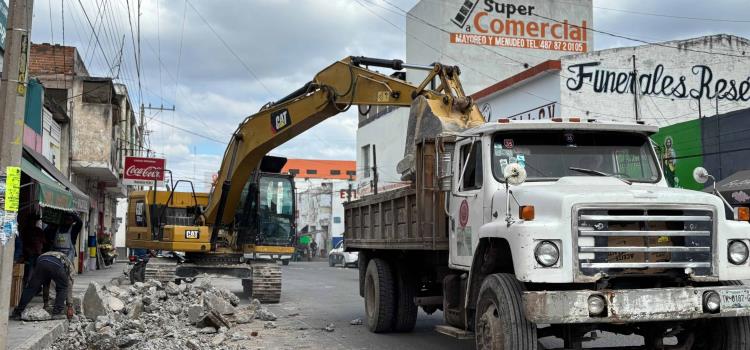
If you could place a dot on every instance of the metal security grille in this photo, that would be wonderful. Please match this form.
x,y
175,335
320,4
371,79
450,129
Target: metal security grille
x,y
643,240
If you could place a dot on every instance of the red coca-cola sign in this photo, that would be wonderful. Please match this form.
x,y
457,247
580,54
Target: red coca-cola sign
x,y
143,171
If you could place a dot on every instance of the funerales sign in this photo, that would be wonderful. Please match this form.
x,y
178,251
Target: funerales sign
x,y
701,84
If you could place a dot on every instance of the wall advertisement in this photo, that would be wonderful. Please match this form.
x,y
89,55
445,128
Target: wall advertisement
x,y
516,25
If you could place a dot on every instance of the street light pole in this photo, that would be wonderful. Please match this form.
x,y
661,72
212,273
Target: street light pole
x,y
12,107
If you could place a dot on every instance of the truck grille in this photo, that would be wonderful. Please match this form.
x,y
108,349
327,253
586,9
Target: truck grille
x,y
643,240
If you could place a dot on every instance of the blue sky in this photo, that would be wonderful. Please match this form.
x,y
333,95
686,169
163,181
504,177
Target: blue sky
x,y
275,46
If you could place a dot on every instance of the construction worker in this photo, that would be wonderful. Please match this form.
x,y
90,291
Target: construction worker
x,y
63,238
50,266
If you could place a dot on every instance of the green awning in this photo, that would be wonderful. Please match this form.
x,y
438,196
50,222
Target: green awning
x,y
48,191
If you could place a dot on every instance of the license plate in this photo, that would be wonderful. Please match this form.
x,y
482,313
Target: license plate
x,y
192,234
735,299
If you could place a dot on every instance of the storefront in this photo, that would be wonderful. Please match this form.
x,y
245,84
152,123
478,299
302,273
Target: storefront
x,y
47,195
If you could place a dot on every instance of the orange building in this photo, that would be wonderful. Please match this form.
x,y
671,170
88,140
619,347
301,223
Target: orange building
x,y
321,169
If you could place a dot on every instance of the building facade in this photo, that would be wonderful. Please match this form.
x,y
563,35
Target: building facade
x,y
101,131
322,186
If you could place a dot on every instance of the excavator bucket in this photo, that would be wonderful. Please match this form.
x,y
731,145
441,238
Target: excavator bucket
x,y
430,118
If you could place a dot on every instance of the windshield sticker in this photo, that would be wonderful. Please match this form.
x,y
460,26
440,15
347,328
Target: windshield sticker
x,y
508,143
498,149
513,160
521,160
503,164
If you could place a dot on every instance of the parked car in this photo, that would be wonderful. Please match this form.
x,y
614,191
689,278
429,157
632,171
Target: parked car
x,y
337,255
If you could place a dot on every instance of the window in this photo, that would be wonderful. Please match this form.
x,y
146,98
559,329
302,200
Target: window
x,y
351,173
311,171
140,215
336,219
366,160
472,176
335,172
293,171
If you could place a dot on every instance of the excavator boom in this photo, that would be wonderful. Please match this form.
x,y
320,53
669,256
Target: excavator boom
x,y
333,90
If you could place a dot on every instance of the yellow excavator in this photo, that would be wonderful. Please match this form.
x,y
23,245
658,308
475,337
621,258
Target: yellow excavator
x,y
248,218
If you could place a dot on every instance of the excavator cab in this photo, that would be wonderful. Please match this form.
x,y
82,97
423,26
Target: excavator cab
x,y
264,220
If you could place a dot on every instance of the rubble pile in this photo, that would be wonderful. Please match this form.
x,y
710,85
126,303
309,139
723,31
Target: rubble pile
x,y
155,315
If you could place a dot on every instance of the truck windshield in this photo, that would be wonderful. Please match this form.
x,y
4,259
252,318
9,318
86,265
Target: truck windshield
x,y
549,155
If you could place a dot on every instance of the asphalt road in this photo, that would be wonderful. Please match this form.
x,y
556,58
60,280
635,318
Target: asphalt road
x,y
315,295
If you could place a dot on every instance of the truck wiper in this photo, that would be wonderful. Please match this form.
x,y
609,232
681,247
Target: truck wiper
x,y
599,173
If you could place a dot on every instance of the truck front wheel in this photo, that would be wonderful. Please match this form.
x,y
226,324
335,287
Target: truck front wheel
x,y
379,296
500,320
732,333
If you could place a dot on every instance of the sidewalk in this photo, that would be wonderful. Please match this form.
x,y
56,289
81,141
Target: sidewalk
x,y
38,335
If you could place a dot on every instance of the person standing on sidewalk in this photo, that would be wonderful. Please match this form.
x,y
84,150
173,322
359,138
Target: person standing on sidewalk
x,y
50,266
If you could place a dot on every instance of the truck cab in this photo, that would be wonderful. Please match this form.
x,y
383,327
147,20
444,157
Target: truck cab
x,y
560,227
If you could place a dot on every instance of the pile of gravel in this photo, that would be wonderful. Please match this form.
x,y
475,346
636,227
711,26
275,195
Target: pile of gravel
x,y
158,316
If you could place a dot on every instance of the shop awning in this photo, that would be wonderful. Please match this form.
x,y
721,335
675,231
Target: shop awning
x,y
55,190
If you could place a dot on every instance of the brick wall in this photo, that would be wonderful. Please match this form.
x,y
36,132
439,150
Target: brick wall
x,y
47,59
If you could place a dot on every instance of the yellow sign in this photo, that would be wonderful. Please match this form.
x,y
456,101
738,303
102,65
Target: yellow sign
x,y
12,188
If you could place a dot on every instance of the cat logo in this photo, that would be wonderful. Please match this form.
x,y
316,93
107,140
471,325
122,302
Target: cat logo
x,y
280,120
192,234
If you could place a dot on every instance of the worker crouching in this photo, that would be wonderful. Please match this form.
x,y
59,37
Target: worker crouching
x,y
51,266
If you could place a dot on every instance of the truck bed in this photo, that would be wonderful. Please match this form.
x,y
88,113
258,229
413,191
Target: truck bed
x,y
410,218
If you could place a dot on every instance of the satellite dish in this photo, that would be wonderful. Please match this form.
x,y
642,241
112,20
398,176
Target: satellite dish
x,y
514,174
701,175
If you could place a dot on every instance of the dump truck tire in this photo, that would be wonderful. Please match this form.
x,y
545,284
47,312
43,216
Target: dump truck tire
x,y
379,296
500,320
406,310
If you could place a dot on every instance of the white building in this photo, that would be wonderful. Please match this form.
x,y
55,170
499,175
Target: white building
x,y
489,40
322,188
677,81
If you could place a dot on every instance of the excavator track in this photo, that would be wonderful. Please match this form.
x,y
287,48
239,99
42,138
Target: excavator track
x,y
265,284
162,270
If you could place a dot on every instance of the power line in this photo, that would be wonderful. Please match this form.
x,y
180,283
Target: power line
x,y
93,31
229,48
190,132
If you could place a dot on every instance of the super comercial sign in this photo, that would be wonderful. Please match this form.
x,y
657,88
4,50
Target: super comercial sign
x,y
516,25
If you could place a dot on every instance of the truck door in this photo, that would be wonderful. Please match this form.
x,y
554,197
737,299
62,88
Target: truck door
x,y
467,203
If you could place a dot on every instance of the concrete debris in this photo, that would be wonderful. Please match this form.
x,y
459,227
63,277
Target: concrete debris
x,y
93,304
115,304
216,303
171,288
294,314
157,316
193,345
356,322
194,312
218,339
329,327
35,314
208,330
269,325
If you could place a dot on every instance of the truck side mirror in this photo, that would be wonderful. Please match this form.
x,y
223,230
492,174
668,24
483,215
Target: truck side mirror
x,y
701,175
514,174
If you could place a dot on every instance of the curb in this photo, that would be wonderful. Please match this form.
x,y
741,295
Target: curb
x,y
42,340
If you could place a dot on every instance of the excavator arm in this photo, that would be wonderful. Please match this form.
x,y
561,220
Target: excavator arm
x,y
333,90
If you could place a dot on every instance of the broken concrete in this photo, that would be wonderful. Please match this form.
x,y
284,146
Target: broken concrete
x,y
93,304
216,303
35,314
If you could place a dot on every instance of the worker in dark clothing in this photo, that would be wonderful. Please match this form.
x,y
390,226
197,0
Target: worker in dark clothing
x,y
50,266
64,238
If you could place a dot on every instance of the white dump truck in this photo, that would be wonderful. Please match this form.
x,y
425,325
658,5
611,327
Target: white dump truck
x,y
521,230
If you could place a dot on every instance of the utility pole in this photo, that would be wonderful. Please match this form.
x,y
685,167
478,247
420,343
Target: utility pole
x,y
143,117
636,91
12,107
374,170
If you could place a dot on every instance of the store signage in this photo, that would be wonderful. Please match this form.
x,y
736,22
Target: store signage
x,y
542,112
140,171
493,23
699,84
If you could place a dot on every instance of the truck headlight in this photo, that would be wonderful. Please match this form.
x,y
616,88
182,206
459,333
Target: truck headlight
x,y
546,253
738,252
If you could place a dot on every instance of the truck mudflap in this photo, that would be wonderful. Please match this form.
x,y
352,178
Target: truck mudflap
x,y
636,305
